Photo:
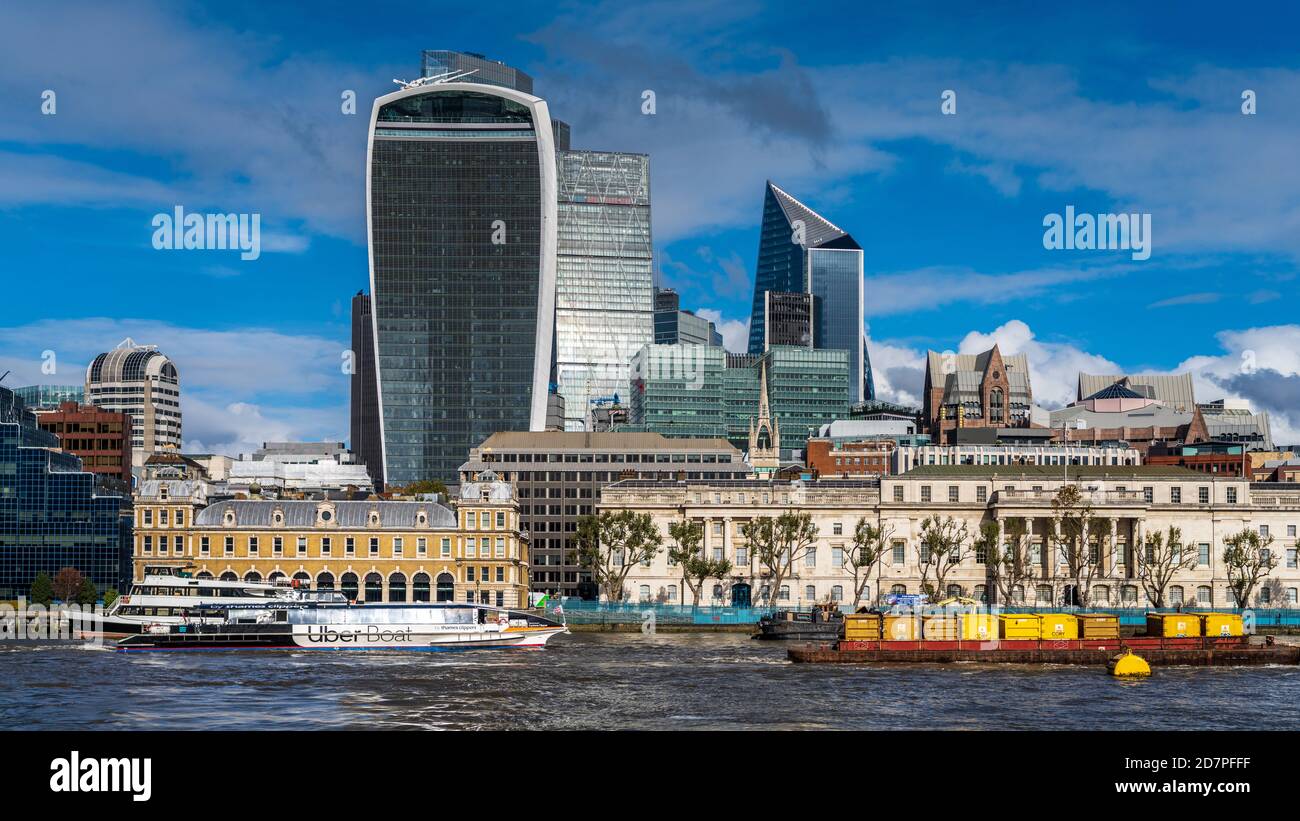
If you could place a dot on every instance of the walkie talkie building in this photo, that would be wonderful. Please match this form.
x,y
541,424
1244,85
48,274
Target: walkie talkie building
x,y
461,203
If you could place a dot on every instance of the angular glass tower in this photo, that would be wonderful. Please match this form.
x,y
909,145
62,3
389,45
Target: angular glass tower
x,y
461,200
800,250
604,302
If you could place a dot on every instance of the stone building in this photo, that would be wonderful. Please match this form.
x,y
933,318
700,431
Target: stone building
x,y
985,390
468,549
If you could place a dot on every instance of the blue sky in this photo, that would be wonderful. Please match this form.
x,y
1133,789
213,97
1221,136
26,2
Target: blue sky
x,y
235,107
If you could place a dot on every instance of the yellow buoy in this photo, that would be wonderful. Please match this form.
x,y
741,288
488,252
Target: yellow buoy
x,y
1128,665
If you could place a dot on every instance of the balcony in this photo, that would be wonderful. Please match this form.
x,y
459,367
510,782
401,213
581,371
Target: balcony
x,y
1097,498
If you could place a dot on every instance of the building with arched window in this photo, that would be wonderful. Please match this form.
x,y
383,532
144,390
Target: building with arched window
x,y
141,382
469,549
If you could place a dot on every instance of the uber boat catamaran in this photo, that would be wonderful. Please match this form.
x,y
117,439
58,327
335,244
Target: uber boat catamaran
x,y
171,595
331,625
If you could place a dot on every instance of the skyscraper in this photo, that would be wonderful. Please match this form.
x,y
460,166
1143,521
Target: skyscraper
x,y
604,303
461,215
365,437
673,325
141,382
800,250
788,319
434,62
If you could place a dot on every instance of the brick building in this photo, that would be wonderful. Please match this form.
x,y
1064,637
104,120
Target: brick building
x,y
99,437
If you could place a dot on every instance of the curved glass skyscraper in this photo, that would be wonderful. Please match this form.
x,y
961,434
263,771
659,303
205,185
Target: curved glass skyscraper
x,y
461,203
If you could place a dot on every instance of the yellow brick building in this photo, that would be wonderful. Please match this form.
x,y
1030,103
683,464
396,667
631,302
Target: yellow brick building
x,y
374,550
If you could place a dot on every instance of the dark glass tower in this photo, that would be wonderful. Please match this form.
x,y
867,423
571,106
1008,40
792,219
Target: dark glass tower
x,y
365,437
462,204
50,517
800,250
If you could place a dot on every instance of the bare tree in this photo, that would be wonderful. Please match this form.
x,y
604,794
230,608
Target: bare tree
x,y
67,583
864,554
778,544
687,551
1248,560
942,547
612,543
1072,515
1159,560
1008,563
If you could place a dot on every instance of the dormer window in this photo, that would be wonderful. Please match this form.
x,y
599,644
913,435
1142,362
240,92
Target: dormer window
x,y
229,518
421,518
324,515
374,518
277,517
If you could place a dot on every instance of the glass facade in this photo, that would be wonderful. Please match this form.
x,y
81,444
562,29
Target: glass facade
x,y
50,517
459,296
489,72
604,302
48,397
835,282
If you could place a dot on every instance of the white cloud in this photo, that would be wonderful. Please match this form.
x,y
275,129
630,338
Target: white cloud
x,y
1053,366
735,332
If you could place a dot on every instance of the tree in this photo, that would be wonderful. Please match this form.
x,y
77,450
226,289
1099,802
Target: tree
x,y
87,593
1162,557
1009,563
778,544
941,548
865,554
425,486
1248,560
42,589
611,543
110,596
687,551
67,583
1072,517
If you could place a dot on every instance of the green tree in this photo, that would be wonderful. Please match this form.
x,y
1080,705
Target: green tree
x,y
687,552
110,596
611,543
67,583
778,544
1248,560
87,594
941,547
425,486
1162,557
42,589
864,554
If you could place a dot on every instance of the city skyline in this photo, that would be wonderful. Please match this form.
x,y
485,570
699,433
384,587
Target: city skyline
x,y
949,209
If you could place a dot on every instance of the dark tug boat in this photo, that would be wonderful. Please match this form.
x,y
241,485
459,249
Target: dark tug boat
x,y
824,623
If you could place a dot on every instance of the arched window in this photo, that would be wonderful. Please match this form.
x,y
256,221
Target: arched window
x,y
981,594
1018,594
784,594
253,576
276,576
1043,594
1265,595
302,578
1205,594
810,592
1101,594
954,590
420,587
374,587
997,406
397,587
229,576
837,593
645,592
325,581
1129,595
1290,596
349,586
899,590
1176,595
446,587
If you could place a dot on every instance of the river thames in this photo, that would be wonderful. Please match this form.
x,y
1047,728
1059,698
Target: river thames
x,y
597,681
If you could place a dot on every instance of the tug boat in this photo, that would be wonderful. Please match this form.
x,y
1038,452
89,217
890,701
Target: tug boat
x,y
322,625
824,623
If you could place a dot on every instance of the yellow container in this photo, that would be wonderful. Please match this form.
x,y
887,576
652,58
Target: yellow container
x,y
1018,626
1095,626
1173,625
977,626
1058,626
901,628
940,628
862,627
1220,624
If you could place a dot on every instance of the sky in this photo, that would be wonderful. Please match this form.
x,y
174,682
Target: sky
x,y
238,107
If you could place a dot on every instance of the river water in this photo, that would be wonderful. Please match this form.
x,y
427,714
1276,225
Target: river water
x,y
612,681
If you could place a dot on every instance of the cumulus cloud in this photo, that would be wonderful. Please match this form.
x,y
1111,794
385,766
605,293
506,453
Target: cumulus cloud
x,y
1053,366
735,332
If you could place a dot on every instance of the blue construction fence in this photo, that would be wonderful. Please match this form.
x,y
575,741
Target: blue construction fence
x,y
578,611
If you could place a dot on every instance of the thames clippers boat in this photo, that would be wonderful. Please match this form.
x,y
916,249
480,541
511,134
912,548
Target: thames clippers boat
x,y
170,596
311,625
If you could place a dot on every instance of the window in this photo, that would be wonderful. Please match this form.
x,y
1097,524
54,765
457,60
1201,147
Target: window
x,y
672,593
837,529
784,594
180,518
1263,531
981,554
982,494
1148,494
925,493
204,547
1203,494
898,590
469,573
252,545
810,592
837,593
162,517
501,547
898,493
954,493
899,552
837,556
501,573
645,592
350,546
1203,554
1175,495
471,547
1176,595
421,546
1265,595
810,557
148,516
446,546
1291,557
277,546
397,545
1291,595
1232,495
230,545
501,520
148,544
1290,531
1204,594
374,545
325,545
301,546
742,556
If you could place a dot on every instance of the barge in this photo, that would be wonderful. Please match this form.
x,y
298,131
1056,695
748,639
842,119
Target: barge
x,y
1231,651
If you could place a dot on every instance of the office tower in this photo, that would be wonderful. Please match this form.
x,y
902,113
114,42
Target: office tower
x,y
50,517
434,62
100,438
49,397
366,442
462,215
141,382
673,325
787,319
604,310
560,476
800,250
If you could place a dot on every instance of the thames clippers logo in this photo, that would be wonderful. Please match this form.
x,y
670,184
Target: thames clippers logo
x,y
327,635
128,775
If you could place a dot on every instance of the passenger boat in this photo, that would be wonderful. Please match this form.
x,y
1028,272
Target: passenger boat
x,y
170,595
327,625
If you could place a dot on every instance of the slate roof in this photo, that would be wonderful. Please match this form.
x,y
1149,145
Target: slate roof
x,y
349,514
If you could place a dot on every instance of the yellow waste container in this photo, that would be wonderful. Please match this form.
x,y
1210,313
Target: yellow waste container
x,y
1220,624
1058,626
1173,625
902,628
1018,626
1098,626
939,628
977,626
862,627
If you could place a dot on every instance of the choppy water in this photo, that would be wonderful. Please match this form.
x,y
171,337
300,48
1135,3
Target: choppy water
x,y
612,681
